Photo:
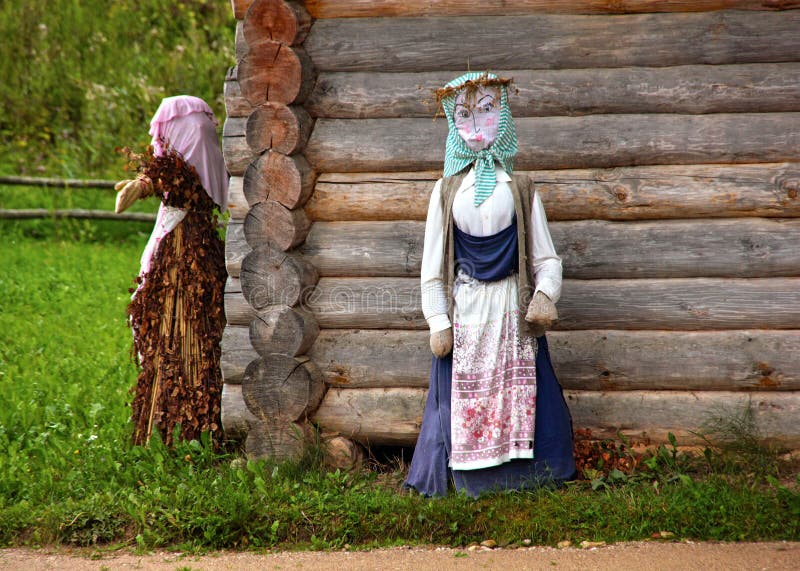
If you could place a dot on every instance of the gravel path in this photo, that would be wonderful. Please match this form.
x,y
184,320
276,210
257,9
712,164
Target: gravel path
x,y
640,556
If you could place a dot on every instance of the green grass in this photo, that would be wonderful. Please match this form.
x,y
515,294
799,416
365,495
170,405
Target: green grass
x,y
68,474
82,77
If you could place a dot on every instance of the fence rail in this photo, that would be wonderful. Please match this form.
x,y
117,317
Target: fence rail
x,y
64,183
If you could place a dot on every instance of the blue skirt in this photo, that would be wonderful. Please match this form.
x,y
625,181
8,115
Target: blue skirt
x,y
553,460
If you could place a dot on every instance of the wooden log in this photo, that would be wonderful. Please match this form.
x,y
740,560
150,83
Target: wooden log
x,y
283,388
393,416
276,440
552,41
271,223
283,330
289,180
634,193
678,304
236,248
584,360
278,127
237,420
686,304
237,154
237,353
373,416
234,127
275,20
235,104
275,72
590,249
239,8
342,453
237,310
691,89
237,203
652,415
349,145
271,277
240,47
417,8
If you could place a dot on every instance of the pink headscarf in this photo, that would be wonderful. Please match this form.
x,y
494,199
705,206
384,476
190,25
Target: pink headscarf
x,y
188,126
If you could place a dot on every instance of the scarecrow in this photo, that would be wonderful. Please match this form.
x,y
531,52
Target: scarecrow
x,y
495,416
176,311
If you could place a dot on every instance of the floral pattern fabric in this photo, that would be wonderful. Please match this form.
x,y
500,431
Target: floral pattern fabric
x,y
493,399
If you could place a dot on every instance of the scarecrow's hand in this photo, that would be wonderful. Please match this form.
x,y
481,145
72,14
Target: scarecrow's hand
x,y
542,313
129,191
442,342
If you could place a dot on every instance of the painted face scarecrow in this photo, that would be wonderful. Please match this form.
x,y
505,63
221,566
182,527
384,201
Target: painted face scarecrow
x,y
176,312
495,417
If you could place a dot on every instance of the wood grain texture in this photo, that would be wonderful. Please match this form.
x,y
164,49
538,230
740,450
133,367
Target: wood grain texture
x,y
746,88
237,154
387,8
236,247
277,440
275,72
237,353
240,47
373,416
283,330
362,145
235,104
590,249
585,360
271,223
239,8
275,176
553,41
632,193
676,304
236,417
271,277
283,388
275,20
278,127
237,203
237,310
393,416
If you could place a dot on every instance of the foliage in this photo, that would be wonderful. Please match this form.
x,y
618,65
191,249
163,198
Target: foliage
x,y
69,475
82,77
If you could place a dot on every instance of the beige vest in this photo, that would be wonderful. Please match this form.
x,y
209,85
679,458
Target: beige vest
x,y
522,191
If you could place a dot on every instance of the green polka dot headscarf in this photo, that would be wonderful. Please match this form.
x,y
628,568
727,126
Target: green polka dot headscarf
x,y
458,155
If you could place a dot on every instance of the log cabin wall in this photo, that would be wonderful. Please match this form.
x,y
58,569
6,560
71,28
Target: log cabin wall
x,y
662,136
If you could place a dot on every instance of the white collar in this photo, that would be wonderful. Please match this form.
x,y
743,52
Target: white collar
x,y
469,180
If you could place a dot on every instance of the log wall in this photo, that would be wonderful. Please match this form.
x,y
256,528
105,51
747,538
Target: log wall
x,y
662,136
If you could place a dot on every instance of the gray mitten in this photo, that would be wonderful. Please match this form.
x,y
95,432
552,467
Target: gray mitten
x,y
542,313
442,342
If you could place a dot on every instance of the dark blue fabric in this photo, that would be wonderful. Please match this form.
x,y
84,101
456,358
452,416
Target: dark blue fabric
x,y
553,460
487,258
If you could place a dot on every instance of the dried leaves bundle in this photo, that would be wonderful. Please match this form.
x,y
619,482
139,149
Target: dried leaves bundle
x,y
177,316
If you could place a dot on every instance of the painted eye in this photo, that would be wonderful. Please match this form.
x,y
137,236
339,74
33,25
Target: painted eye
x,y
487,108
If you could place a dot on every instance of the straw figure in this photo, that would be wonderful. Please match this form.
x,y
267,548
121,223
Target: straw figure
x,y
495,417
176,311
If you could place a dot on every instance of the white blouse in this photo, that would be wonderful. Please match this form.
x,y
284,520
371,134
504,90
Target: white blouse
x,y
493,215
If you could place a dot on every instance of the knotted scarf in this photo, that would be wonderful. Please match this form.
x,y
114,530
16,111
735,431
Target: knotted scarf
x,y
458,155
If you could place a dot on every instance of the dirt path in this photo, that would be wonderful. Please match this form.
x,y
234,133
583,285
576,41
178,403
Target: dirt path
x,y
639,556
